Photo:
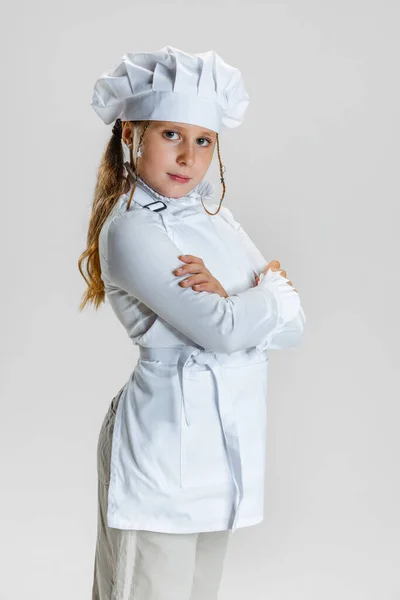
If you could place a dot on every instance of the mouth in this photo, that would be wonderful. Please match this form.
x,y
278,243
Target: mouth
x,y
180,178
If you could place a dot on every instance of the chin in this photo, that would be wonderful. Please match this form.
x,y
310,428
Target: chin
x,y
179,188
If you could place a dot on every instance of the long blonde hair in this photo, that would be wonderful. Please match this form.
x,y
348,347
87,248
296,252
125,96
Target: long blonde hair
x,y
111,183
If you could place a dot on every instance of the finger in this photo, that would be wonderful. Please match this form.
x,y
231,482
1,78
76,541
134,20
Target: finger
x,y
190,258
204,287
196,279
191,268
194,264
272,267
274,263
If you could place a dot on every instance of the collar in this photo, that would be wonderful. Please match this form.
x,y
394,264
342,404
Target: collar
x,y
204,190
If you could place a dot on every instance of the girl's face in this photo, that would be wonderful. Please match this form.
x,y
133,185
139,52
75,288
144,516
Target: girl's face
x,y
170,148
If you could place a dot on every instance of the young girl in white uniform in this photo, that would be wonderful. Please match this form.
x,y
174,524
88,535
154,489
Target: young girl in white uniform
x,y
181,451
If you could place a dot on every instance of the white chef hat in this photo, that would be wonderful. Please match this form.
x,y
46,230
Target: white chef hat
x,y
172,85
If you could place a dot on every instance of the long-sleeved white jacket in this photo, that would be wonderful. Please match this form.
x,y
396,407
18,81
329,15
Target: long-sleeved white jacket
x,y
189,434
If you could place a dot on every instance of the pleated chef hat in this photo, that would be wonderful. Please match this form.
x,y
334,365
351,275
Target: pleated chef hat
x,y
172,85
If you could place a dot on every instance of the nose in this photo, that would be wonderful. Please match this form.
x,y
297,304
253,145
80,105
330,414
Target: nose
x,y
186,156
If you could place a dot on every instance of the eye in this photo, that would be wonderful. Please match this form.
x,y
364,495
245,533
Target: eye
x,y
207,140
166,133
170,132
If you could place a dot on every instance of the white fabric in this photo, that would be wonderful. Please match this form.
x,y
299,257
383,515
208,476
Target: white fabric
x,y
147,565
189,439
172,85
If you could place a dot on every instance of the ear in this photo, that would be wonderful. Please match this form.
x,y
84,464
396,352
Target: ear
x,y
127,132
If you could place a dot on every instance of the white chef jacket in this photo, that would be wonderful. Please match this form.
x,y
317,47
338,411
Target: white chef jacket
x,y
188,448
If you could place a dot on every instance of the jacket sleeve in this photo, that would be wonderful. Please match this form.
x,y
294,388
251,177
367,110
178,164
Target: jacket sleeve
x,y
255,256
141,258
286,334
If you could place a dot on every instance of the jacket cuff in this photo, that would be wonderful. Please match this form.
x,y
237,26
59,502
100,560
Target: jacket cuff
x,y
286,298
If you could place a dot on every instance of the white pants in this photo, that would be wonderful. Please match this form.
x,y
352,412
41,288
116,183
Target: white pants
x,y
147,565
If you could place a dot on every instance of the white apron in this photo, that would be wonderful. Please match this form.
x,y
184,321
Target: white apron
x,y
188,449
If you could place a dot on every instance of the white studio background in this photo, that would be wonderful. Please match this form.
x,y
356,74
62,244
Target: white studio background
x,y
312,175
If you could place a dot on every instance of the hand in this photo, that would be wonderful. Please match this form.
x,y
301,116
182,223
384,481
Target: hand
x,y
202,281
274,265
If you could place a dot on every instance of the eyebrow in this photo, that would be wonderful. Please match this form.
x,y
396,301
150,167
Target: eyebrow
x,y
176,126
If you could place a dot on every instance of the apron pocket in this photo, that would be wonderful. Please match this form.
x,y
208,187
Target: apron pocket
x,y
203,456
248,388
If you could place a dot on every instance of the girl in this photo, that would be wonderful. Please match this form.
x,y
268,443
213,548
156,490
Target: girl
x,y
181,449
